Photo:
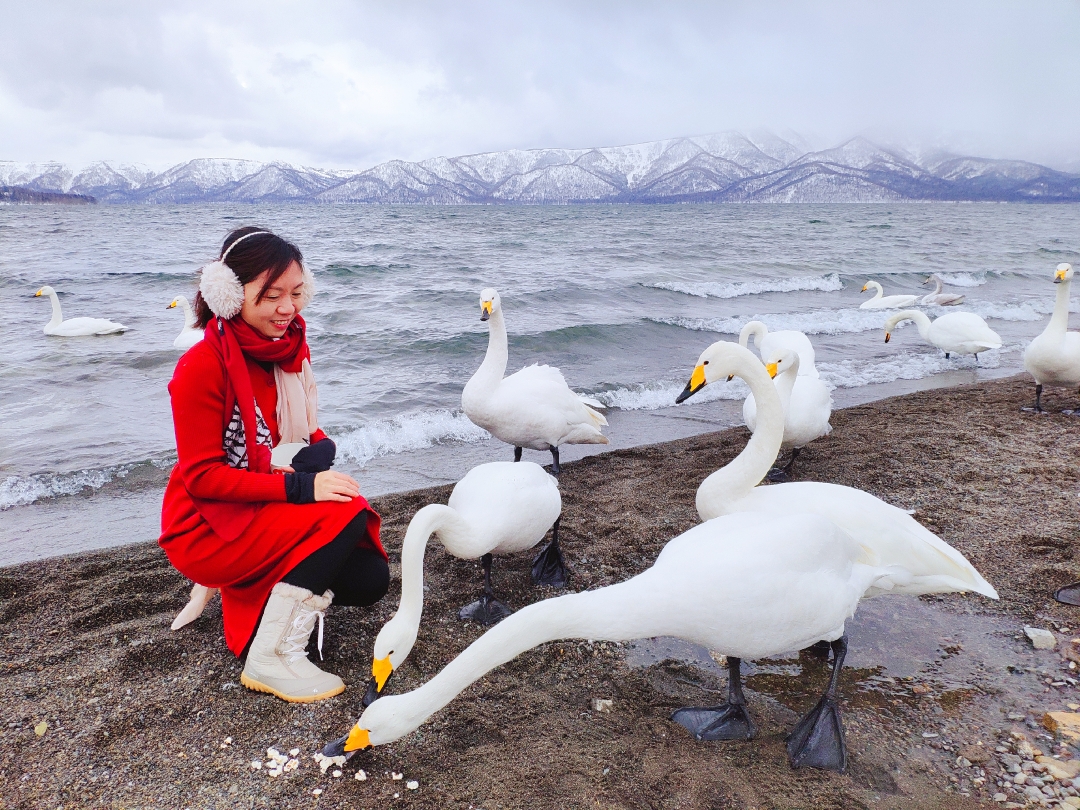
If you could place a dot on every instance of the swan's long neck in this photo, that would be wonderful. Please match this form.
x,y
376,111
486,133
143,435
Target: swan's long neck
x,y
875,286
1058,325
189,315
757,330
922,322
432,518
937,285
785,383
494,366
735,480
58,317
616,613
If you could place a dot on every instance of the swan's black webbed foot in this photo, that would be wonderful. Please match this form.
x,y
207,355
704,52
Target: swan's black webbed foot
x,y
1038,402
337,749
549,567
487,610
1069,595
517,454
817,741
555,468
728,721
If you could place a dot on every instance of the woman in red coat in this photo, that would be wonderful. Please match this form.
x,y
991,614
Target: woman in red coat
x,y
280,543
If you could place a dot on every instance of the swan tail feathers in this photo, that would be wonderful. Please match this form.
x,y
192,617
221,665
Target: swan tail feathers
x,y
598,418
591,402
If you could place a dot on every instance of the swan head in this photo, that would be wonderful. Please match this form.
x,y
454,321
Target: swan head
x,y
782,361
870,285
715,363
392,646
489,303
1064,273
179,301
46,290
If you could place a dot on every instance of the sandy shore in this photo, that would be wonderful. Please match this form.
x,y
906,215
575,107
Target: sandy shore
x,y
137,715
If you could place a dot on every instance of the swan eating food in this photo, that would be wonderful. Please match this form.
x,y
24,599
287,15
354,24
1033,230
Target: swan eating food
x,y
75,327
953,333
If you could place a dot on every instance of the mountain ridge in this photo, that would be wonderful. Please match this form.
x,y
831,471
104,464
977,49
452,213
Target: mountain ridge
x,y
720,167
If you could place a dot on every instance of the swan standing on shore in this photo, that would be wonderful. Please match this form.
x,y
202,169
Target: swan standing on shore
x,y
75,327
747,586
1053,357
937,296
190,334
807,406
889,301
496,509
953,333
532,408
890,533
769,343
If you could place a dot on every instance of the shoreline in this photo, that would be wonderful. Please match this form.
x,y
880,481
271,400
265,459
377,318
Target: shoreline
x,y
137,715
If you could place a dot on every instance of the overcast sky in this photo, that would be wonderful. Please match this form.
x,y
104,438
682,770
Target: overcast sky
x,y
351,84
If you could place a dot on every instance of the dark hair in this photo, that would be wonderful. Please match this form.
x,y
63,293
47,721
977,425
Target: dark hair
x,y
250,259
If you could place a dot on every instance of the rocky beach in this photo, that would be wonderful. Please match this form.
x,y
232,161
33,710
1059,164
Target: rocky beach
x,y
947,701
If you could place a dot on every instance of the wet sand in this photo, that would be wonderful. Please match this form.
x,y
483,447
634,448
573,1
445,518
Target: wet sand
x,y
138,715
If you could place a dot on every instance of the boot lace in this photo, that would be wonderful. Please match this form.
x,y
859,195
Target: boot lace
x,y
294,645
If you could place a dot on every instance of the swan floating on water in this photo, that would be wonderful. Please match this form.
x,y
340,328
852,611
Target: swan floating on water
x,y
190,334
496,509
76,327
937,296
953,333
532,408
891,533
807,405
747,585
889,301
1053,357
769,343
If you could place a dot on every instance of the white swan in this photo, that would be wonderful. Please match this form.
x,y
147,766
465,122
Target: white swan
x,y
496,509
769,343
75,327
806,401
190,334
937,296
1053,357
747,586
953,333
532,408
891,533
889,301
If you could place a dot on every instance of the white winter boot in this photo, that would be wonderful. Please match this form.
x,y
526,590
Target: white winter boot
x,y
277,660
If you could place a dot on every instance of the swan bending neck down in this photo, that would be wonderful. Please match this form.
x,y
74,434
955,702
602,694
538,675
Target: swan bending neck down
x,y
892,534
747,585
953,333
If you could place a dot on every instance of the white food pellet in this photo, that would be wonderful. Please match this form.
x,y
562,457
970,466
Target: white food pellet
x,y
360,776
292,765
228,740
413,785
317,792
396,775
336,774
293,753
256,764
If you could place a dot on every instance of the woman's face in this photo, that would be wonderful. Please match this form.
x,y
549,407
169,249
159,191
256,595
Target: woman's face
x,y
272,315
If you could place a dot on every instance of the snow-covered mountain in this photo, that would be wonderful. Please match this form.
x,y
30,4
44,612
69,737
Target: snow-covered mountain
x,y
725,167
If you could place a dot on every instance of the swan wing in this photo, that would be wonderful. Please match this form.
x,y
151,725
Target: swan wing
x,y
964,330
508,505
809,409
83,327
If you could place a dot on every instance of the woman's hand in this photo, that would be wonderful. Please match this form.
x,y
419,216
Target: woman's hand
x,y
335,486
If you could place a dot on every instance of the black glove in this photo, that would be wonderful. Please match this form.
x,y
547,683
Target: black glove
x,y
315,458
300,487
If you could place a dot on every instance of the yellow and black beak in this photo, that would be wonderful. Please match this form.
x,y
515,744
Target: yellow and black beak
x,y
37,294
888,337
772,369
172,305
485,310
381,670
697,382
1059,277
357,740
863,288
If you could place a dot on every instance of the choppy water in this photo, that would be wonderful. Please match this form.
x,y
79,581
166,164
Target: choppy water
x,y
621,298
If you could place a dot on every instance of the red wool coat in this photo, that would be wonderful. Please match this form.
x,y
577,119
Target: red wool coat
x,y
279,536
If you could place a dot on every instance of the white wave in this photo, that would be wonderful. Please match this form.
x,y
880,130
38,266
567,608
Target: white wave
x,y
734,289
906,366
976,279
815,322
19,490
656,395
405,432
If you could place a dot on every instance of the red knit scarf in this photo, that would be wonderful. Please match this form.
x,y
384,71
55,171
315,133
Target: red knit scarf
x,y
231,340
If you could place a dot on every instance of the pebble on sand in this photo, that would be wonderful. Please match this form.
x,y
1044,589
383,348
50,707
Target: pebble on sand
x,y
1064,724
602,705
1041,639
41,728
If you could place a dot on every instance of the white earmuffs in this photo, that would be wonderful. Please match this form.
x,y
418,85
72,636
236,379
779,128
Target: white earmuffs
x,y
223,292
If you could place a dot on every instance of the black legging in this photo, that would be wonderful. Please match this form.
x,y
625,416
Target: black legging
x,y
357,576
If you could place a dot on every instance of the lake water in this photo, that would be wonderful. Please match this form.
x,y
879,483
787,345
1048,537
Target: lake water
x,y
621,298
